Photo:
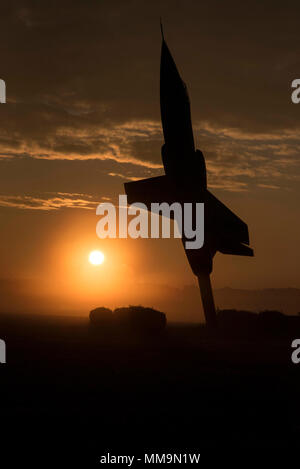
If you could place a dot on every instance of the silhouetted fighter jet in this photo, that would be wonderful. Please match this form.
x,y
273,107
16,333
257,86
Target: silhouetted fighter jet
x,y
185,181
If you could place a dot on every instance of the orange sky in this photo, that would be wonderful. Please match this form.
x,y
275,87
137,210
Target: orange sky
x,y
82,117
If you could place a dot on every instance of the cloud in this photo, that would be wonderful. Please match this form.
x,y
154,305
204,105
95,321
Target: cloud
x,y
60,200
238,159
119,143
123,176
98,99
268,186
235,160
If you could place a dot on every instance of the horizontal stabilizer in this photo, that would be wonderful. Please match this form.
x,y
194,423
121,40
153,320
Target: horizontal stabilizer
x,y
223,221
237,249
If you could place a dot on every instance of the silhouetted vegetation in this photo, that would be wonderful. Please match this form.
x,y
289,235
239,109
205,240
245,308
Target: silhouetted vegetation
x,y
138,318
101,317
267,322
232,319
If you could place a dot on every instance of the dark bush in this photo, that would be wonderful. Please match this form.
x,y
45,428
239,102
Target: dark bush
x,y
273,321
101,317
140,318
271,315
237,320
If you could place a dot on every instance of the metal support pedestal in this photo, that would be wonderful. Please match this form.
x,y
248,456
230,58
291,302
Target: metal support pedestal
x,y
207,300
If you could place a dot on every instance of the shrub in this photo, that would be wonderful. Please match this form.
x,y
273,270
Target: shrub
x,y
101,316
141,318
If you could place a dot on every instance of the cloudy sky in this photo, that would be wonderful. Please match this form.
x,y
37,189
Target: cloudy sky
x,y
82,117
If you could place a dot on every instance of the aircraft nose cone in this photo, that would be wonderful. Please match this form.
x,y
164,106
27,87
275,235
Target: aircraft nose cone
x,y
174,105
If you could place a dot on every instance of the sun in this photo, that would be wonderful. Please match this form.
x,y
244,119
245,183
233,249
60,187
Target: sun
x,y
96,257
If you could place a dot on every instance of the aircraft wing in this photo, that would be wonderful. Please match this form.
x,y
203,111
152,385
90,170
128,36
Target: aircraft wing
x,y
224,231
158,189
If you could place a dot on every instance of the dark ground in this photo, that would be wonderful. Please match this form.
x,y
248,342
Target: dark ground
x,y
70,394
